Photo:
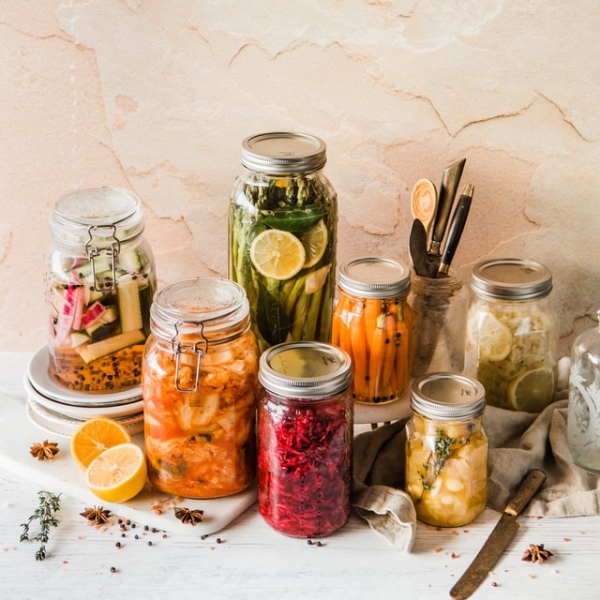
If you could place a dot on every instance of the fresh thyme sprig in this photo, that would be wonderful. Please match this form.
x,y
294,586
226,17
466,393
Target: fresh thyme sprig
x,y
48,505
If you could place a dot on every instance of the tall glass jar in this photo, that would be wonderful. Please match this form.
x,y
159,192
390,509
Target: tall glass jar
x,y
200,388
372,322
512,334
583,423
282,237
440,307
305,421
99,282
447,450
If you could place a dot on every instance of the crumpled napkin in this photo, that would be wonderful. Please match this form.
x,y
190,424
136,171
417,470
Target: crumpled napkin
x,y
518,442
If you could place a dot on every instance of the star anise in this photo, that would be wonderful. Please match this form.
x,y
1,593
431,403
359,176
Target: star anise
x,y
45,450
536,553
96,515
188,516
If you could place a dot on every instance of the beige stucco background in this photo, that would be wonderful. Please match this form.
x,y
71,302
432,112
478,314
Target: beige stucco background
x,y
156,97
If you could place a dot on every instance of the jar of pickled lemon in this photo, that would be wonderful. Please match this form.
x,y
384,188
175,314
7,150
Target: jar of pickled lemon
x,y
447,450
372,322
100,279
282,237
512,334
200,388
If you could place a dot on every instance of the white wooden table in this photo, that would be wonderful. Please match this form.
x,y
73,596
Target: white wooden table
x,y
247,559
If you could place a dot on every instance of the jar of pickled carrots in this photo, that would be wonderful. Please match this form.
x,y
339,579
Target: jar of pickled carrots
x,y
372,322
99,282
199,388
447,450
282,237
305,420
512,334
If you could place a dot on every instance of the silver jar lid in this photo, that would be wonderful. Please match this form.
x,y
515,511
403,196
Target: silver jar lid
x,y
98,215
374,278
282,153
511,279
447,396
305,370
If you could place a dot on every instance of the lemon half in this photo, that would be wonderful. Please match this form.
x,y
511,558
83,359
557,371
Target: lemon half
x,y
495,339
532,391
315,243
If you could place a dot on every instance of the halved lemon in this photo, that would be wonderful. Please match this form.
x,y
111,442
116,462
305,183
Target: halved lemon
x,y
495,338
532,391
277,254
118,474
315,243
94,436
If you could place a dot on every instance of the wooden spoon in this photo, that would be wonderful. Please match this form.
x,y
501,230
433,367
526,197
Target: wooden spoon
x,y
423,202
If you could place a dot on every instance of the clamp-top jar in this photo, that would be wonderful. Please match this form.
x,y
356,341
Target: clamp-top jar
x,y
447,450
512,334
372,322
100,279
199,387
305,418
282,237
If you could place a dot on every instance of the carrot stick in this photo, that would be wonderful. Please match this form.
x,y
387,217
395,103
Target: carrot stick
x,y
358,340
371,312
390,349
336,319
376,359
403,355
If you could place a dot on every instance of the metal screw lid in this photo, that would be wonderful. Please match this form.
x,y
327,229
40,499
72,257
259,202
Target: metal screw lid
x,y
511,279
281,153
374,278
447,396
311,370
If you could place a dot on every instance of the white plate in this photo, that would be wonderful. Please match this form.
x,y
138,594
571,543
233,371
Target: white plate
x,y
39,377
82,412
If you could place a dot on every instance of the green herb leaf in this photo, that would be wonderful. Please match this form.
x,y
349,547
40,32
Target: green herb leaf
x,y
271,318
292,220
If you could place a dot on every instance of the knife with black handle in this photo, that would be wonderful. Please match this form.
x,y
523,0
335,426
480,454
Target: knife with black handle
x,y
457,225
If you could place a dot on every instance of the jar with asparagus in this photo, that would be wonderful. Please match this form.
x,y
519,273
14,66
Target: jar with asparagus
x,y
282,237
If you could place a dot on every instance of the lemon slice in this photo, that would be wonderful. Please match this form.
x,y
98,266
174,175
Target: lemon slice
x,y
277,254
532,391
495,339
118,474
94,436
315,243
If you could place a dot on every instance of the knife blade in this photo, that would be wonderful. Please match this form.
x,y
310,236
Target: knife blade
x,y
450,180
457,225
424,264
499,539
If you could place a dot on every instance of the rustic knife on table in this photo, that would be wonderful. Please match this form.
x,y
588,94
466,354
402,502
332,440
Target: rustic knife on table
x,y
499,539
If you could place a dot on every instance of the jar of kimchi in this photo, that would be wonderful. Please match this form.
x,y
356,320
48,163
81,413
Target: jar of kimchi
x,y
99,282
305,420
283,235
199,387
372,322
447,450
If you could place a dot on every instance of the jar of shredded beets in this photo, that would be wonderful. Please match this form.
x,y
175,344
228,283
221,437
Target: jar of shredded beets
x,y
305,423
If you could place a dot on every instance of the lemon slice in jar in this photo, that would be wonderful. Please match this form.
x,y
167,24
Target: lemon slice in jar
x,y
315,243
495,339
277,254
532,391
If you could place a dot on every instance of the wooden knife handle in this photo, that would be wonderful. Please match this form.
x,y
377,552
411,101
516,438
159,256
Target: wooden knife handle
x,y
531,484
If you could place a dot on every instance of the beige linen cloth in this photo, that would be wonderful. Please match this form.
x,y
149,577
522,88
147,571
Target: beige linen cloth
x,y
518,442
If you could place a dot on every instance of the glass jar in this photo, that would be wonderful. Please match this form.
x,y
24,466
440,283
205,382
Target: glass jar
x,y
200,388
447,450
282,237
440,309
99,283
583,423
512,334
305,422
372,322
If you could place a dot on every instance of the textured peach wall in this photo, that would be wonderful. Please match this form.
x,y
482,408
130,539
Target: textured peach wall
x,y
156,97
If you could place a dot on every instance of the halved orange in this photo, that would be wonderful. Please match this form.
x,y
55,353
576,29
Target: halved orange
x,y
94,436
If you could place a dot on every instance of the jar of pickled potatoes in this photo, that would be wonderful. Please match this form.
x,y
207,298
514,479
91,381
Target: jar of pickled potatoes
x,y
372,322
447,450
282,237
305,420
512,334
199,386
99,282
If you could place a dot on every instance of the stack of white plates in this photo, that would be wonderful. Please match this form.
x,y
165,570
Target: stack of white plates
x,y
60,410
